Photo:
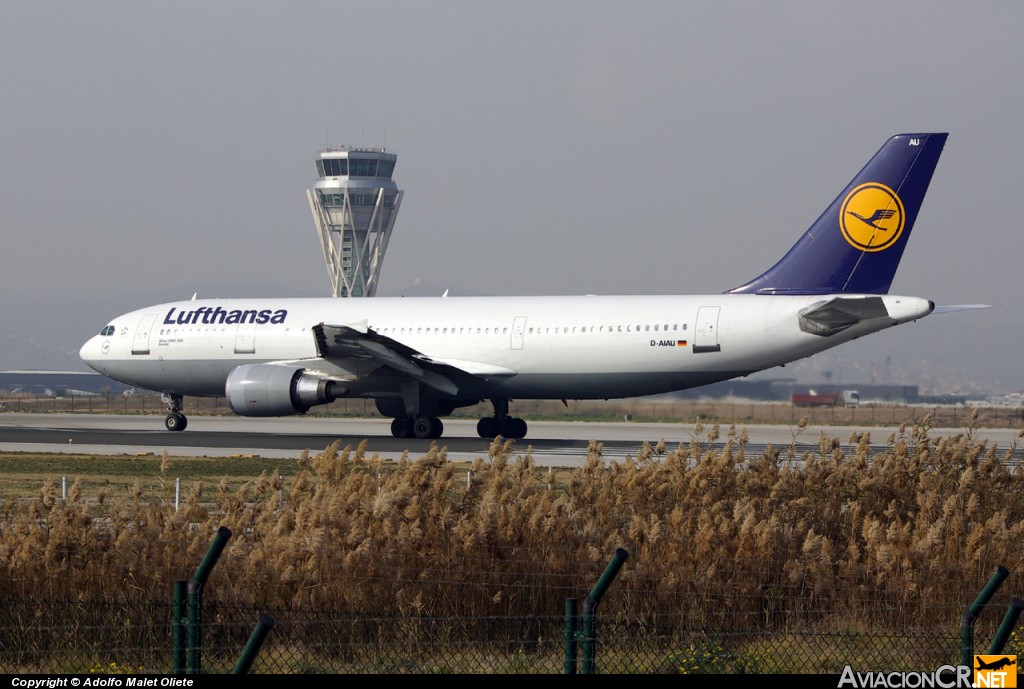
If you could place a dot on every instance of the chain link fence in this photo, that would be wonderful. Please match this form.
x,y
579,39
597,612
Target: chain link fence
x,y
106,637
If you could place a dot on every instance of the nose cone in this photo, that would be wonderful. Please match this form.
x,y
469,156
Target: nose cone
x,y
91,351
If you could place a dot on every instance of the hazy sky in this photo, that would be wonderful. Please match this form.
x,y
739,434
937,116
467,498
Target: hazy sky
x,y
543,147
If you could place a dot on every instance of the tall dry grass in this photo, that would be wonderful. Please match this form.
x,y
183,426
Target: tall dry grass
x,y
773,540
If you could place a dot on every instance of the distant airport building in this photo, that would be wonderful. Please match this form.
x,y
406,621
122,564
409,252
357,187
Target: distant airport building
x,y
354,203
59,383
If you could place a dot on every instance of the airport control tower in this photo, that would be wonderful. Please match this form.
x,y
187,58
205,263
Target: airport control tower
x,y
354,203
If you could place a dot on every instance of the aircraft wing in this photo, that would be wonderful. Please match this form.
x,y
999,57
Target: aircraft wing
x,y
362,342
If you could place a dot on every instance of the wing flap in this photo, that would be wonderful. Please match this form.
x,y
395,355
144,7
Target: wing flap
x,y
472,367
363,343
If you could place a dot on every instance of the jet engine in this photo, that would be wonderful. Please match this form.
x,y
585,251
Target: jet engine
x,y
273,390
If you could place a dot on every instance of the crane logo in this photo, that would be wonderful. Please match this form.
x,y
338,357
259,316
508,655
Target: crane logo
x,y
872,217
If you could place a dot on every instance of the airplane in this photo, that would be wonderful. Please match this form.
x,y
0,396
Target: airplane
x,y
420,358
999,664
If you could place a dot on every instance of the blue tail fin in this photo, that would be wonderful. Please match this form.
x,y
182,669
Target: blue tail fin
x,y
856,244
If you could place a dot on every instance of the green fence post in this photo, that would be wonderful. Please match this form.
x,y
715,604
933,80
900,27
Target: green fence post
x,y
195,621
216,548
1006,626
195,598
971,616
179,613
254,644
590,609
569,665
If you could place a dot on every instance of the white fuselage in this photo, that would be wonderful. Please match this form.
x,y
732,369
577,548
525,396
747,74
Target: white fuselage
x,y
571,347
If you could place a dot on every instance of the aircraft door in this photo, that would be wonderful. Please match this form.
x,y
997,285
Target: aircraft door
x,y
140,344
518,330
705,337
245,338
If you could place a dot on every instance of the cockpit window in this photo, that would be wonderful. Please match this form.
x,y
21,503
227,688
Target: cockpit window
x,y
107,331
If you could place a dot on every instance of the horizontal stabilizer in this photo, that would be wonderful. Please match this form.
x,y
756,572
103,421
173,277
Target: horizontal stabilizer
x,y
953,308
835,315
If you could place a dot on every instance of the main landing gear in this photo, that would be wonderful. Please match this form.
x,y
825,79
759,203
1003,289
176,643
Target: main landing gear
x,y
422,427
175,421
501,423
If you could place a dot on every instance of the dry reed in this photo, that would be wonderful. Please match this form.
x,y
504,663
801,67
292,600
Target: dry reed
x,y
827,539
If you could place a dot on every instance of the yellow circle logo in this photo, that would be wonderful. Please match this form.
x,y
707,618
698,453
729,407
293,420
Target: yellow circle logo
x,y
871,217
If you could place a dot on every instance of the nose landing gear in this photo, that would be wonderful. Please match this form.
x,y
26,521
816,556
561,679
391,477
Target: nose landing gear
x,y
175,420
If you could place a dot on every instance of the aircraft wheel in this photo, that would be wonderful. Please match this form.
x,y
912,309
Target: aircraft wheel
x,y
423,427
175,422
401,427
512,427
487,427
521,428
437,427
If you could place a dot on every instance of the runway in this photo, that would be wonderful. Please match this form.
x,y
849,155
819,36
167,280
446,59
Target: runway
x,y
551,443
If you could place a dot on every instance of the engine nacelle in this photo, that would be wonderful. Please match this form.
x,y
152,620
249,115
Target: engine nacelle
x,y
272,390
